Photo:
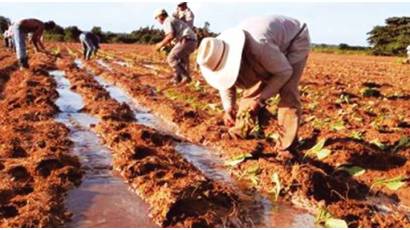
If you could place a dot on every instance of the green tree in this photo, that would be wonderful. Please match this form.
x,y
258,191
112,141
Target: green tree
x,y
71,33
392,38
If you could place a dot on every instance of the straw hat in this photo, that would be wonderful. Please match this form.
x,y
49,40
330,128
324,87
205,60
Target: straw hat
x,y
219,58
159,12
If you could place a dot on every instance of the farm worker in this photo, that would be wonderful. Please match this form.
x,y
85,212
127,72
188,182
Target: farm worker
x,y
408,54
90,44
8,38
34,27
186,42
264,56
185,14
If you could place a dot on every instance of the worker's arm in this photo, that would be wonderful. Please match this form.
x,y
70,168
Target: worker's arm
x,y
36,39
228,98
168,39
277,65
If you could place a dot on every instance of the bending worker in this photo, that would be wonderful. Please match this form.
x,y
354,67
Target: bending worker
x,y
186,40
34,27
408,54
8,38
91,44
185,14
264,56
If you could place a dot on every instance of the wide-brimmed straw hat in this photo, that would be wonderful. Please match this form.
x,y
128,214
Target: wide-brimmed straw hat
x,y
219,58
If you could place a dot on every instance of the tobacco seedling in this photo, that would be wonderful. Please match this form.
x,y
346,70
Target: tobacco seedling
x,y
319,151
404,142
326,219
275,191
237,159
378,144
392,184
353,170
337,126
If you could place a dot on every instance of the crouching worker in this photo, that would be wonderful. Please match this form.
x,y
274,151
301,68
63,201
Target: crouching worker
x,y
264,56
186,40
91,44
29,26
8,38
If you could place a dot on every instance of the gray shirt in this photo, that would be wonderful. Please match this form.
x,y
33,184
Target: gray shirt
x,y
178,28
186,15
267,54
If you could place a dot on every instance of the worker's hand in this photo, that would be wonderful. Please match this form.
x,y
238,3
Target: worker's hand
x,y
229,118
254,107
158,46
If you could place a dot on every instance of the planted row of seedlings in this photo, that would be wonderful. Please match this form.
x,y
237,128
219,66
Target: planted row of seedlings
x,y
178,193
36,169
305,181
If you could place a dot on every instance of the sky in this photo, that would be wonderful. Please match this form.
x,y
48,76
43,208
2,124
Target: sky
x,y
331,23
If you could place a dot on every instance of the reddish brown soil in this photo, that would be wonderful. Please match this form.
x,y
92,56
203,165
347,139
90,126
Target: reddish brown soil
x,y
308,182
179,194
35,170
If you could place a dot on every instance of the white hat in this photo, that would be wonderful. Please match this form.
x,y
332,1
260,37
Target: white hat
x,y
220,58
159,12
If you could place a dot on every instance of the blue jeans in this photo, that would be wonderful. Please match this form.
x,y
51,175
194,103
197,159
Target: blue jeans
x,y
88,47
20,43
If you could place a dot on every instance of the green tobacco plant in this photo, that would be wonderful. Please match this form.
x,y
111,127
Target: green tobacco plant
x,y
337,126
379,144
357,135
353,170
404,142
392,183
275,191
325,218
319,151
237,159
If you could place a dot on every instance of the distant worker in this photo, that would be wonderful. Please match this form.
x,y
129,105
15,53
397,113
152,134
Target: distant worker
x,y
185,14
8,38
186,42
264,56
34,27
91,44
408,54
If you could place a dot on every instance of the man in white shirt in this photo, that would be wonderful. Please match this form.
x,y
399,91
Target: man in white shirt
x,y
185,14
263,56
186,42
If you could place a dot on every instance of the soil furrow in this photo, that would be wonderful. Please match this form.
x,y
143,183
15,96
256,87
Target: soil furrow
x,y
178,193
307,182
35,169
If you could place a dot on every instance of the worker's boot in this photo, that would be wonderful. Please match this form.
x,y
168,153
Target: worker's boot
x,y
176,80
288,120
23,62
185,80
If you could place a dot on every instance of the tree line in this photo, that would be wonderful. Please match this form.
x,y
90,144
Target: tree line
x,y
389,39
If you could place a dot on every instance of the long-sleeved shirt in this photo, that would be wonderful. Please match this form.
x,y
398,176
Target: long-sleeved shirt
x,y
185,15
267,58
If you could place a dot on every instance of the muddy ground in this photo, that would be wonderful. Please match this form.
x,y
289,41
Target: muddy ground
x,y
358,105
35,168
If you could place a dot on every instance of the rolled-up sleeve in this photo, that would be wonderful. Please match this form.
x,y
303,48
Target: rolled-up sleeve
x,y
228,98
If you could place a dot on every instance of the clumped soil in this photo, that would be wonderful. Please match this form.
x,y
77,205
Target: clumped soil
x,y
358,104
35,168
179,194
